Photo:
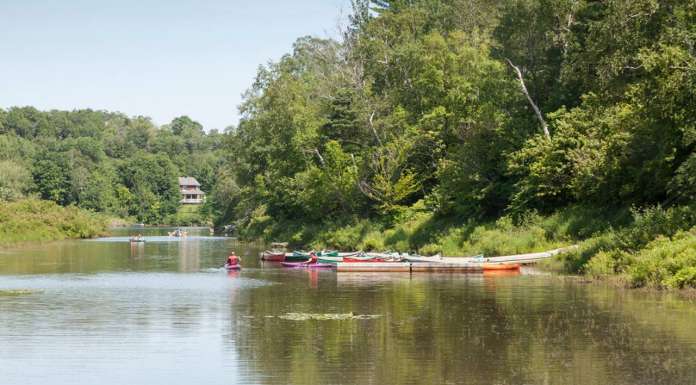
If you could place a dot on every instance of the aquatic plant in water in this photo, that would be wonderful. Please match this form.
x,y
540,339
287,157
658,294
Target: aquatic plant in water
x,y
325,317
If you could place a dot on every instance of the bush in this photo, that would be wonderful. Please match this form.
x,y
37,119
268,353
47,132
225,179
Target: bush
x,y
666,262
35,220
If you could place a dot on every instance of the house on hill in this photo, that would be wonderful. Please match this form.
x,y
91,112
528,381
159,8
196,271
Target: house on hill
x,y
190,191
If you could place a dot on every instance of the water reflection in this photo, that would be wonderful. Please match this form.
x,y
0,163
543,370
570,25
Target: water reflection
x,y
165,313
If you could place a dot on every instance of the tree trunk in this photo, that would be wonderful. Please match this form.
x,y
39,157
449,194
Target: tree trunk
x,y
536,109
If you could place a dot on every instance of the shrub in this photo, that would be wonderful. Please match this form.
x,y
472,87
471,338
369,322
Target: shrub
x,y
35,220
666,262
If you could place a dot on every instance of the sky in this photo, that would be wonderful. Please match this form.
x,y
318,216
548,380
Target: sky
x,y
156,58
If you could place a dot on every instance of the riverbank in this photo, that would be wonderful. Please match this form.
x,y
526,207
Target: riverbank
x,y
653,247
32,220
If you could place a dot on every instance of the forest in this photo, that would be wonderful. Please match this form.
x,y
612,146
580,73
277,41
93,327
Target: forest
x,y
106,162
467,126
451,126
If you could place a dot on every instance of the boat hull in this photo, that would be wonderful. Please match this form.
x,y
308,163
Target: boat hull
x,y
303,265
366,260
500,266
396,267
273,256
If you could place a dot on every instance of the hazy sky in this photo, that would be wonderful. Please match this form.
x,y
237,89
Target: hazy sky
x,y
158,58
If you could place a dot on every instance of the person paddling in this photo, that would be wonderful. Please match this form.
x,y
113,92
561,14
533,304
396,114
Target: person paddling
x,y
233,260
312,259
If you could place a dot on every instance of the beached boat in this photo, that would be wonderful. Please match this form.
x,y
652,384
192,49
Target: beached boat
x,y
444,267
500,266
356,259
404,267
329,254
364,259
329,259
440,259
304,265
273,256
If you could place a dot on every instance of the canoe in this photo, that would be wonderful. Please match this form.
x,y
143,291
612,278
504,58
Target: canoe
x,y
367,259
331,260
137,240
383,255
233,267
500,266
295,257
302,265
324,253
444,267
373,266
441,259
273,256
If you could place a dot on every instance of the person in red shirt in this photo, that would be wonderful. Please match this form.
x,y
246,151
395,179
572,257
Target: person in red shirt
x,y
312,258
232,260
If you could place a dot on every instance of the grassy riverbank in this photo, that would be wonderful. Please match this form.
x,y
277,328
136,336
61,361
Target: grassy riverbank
x,y
32,220
653,247
189,215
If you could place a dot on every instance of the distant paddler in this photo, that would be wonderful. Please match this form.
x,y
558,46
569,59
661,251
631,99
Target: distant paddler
x,y
178,233
137,238
233,262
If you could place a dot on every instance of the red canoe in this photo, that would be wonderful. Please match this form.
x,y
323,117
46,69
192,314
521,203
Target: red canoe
x,y
273,256
500,266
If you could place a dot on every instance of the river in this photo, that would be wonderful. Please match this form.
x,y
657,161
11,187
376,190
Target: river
x,y
105,312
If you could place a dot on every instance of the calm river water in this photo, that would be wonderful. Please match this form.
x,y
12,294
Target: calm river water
x,y
105,312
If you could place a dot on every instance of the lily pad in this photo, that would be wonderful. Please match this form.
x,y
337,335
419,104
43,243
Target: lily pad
x,y
326,316
14,293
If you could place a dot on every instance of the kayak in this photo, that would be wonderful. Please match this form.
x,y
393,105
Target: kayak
x,y
273,256
329,259
295,257
500,266
229,267
303,265
368,259
440,258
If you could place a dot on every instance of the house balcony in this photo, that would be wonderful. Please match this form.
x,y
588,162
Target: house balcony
x,y
192,201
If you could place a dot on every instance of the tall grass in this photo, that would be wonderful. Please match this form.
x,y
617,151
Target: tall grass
x,y
33,220
189,215
420,231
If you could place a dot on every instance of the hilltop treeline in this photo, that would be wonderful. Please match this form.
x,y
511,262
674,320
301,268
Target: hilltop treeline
x,y
472,109
102,161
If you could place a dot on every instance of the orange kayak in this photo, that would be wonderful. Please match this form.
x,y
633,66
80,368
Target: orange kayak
x,y
500,266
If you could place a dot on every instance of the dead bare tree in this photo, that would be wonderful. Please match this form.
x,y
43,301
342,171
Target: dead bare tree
x,y
536,109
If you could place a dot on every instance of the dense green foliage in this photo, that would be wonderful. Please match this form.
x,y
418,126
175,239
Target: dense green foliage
x,y
424,113
106,162
35,220
433,125
418,103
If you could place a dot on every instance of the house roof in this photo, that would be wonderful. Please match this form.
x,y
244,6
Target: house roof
x,y
188,181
